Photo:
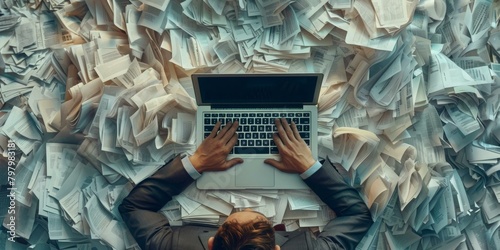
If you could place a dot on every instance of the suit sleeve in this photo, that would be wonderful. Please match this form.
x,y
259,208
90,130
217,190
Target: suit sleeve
x,y
139,209
353,217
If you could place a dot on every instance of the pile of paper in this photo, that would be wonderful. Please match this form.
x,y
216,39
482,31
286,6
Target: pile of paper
x,y
97,96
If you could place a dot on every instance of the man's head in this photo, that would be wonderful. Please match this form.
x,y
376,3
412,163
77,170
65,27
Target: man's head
x,y
245,230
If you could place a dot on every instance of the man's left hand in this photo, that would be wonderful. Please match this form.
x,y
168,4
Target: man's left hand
x,y
212,153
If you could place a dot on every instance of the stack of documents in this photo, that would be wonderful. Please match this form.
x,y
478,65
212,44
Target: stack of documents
x,y
96,96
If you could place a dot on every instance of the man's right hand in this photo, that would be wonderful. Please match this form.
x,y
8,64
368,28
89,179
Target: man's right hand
x,y
296,157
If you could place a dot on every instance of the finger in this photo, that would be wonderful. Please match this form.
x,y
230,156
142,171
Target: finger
x,y
224,130
288,129
277,140
232,162
277,164
281,131
215,129
295,131
282,148
231,132
232,141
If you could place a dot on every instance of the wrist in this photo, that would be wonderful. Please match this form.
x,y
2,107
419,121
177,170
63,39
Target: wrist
x,y
311,170
196,163
307,165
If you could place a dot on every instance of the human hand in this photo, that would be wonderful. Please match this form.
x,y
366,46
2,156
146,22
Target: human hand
x,y
212,153
296,157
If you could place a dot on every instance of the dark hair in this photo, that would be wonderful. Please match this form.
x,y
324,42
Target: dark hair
x,y
253,235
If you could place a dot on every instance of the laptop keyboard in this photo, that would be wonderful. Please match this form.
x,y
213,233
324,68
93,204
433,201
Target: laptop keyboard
x,y
256,129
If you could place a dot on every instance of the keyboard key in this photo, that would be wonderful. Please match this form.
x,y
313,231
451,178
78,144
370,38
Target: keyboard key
x,y
298,115
228,120
206,115
241,135
246,128
265,143
306,128
229,115
207,120
260,115
244,115
282,115
237,115
243,121
243,142
305,114
208,128
299,128
295,120
262,135
273,143
239,129
248,136
214,121
274,150
275,115
253,128
258,121
252,115
267,115
261,129
269,128
213,115
291,114
254,150
258,143
304,120
269,135
307,141
251,143
251,121
222,115
255,135
266,121
304,135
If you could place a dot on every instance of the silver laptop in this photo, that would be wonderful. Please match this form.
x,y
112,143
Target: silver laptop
x,y
256,100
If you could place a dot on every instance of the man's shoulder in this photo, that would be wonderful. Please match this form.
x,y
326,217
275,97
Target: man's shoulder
x,y
300,240
194,229
192,236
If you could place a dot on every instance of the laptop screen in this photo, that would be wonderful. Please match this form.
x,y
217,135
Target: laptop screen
x,y
250,89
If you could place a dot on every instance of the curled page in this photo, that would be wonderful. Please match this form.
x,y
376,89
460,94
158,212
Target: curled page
x,y
436,9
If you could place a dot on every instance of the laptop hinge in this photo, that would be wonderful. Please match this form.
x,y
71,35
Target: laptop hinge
x,y
257,106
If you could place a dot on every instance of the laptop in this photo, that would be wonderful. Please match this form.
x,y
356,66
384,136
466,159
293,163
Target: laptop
x,y
256,100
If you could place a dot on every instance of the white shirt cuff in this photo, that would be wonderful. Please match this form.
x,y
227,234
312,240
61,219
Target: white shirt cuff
x,y
188,166
315,167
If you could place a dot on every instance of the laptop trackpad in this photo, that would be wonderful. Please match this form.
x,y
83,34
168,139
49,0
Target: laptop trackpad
x,y
254,173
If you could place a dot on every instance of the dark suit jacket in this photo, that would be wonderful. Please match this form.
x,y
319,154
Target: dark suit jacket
x,y
152,231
